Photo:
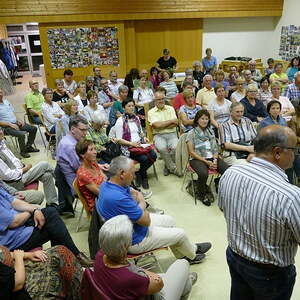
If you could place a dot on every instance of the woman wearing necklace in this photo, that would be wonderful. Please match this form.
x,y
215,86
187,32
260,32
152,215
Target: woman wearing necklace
x,y
111,266
274,117
89,174
203,150
130,135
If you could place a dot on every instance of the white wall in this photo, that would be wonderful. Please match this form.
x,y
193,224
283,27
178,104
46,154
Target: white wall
x,y
256,37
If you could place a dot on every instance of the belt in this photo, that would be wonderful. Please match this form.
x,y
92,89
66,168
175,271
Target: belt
x,y
256,264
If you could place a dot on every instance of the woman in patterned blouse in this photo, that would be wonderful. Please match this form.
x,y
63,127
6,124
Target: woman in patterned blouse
x,y
204,153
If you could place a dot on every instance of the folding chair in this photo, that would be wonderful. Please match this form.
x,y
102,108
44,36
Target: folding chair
x,y
83,201
50,136
212,174
89,289
148,265
31,122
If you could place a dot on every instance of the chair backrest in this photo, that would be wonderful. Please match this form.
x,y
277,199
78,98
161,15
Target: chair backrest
x,y
89,290
93,236
81,198
29,116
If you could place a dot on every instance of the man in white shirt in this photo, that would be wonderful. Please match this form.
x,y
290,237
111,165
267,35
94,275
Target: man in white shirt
x,y
18,175
51,111
114,84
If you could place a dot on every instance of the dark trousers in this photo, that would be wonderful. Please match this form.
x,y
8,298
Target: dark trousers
x,y
146,161
65,197
202,171
54,231
20,134
253,281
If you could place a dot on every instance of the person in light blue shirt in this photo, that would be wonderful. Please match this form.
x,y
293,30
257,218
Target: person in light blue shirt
x,y
293,69
17,128
209,62
274,117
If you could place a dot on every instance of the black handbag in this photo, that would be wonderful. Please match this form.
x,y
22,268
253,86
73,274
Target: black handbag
x,y
241,154
112,150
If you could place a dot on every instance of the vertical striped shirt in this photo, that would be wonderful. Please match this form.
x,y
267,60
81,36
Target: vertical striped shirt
x,y
262,212
230,132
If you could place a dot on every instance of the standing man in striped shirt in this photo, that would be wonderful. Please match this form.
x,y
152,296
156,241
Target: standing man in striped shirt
x,y
262,212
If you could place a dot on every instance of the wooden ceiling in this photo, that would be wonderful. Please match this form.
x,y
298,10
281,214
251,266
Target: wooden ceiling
x,y
131,9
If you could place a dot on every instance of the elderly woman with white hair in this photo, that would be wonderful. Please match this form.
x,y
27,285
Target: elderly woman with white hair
x,y
97,134
111,266
207,93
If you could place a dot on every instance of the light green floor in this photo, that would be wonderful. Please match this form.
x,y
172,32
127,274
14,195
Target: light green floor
x,y
200,222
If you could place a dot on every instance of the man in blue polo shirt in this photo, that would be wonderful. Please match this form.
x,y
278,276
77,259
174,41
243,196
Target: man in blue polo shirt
x,y
150,231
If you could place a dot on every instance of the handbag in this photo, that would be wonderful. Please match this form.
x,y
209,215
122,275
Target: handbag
x,y
111,151
141,150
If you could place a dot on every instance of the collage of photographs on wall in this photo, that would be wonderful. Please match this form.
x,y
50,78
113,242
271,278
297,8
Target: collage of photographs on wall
x,y
82,47
289,42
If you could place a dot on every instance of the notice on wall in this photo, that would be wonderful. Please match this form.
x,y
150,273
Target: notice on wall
x,y
289,42
82,47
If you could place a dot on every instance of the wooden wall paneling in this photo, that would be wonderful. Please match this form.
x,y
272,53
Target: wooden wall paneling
x,y
81,73
182,37
3,31
130,48
59,7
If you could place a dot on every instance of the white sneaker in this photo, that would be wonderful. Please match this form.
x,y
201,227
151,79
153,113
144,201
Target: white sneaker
x,y
147,194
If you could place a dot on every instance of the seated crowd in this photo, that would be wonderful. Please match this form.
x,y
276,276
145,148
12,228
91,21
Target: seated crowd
x,y
103,130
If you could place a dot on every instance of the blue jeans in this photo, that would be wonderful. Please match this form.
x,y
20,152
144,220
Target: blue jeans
x,y
253,281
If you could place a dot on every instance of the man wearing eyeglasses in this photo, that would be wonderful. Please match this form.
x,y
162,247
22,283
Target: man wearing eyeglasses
x,y
262,212
68,162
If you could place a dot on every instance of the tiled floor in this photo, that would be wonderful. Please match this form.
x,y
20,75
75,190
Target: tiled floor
x,y
200,222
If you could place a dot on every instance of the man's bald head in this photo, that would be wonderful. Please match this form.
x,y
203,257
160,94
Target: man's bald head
x,y
276,143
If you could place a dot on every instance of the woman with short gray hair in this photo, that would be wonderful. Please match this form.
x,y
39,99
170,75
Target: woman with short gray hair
x,y
111,265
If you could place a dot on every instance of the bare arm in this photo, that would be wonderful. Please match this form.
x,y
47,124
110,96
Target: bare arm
x,y
155,283
158,68
236,147
94,188
144,220
184,119
20,270
32,111
212,118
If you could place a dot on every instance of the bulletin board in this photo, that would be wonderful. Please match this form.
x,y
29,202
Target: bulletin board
x,y
83,46
289,42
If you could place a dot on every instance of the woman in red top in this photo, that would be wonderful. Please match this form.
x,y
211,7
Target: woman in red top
x,y
89,174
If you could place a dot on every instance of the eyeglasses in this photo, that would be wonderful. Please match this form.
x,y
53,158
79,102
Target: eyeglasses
x,y
160,99
296,150
82,129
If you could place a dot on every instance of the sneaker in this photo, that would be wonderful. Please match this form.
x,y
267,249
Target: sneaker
x,y
145,184
147,194
138,180
166,171
25,154
197,260
203,247
31,149
154,210
193,276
